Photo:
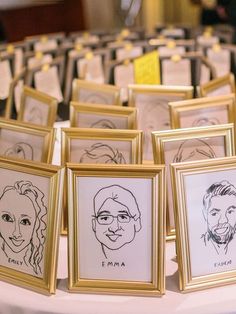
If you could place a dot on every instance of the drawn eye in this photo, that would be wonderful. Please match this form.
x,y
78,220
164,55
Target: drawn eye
x,y
230,211
7,218
103,218
25,222
124,218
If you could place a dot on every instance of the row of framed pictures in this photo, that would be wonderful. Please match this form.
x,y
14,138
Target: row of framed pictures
x,y
116,239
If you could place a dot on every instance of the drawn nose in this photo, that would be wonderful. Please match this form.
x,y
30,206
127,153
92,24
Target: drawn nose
x,y
17,233
223,219
114,226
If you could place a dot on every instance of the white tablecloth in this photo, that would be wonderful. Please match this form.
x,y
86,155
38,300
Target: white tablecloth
x,y
15,300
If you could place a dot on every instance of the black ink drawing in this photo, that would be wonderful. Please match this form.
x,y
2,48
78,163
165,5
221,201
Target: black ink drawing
x,y
204,121
219,211
23,225
194,149
103,124
102,154
116,219
20,150
34,115
155,118
94,98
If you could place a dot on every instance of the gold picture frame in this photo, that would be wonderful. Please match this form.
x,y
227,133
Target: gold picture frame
x,y
99,146
26,141
87,115
202,111
95,146
88,92
204,250
29,252
182,145
220,86
95,276
153,112
37,107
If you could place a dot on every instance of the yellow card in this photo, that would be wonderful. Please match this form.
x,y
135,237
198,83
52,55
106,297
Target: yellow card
x,y
147,69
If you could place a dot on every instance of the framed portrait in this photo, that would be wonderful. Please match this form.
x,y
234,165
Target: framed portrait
x,y
223,85
132,198
102,117
88,92
204,202
153,112
202,111
98,146
181,145
101,146
26,141
37,107
30,209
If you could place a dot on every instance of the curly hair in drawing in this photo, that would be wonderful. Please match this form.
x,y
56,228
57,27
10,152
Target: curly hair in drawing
x,y
103,124
20,150
219,211
102,153
23,224
194,149
202,121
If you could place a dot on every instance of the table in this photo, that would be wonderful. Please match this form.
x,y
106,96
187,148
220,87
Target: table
x,y
212,301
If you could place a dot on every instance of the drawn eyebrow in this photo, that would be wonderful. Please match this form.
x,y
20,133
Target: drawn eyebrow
x,y
215,210
104,212
123,212
232,206
23,215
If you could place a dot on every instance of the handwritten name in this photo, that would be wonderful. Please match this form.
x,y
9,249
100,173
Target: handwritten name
x,y
223,263
113,264
13,261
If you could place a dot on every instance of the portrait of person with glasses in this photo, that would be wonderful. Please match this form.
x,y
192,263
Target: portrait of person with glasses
x,y
116,218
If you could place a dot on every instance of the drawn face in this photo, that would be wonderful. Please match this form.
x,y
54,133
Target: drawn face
x,y
20,150
221,218
114,227
34,116
157,118
17,220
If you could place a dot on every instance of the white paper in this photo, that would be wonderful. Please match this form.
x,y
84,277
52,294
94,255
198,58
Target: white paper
x,y
56,159
35,112
35,62
176,73
130,256
204,74
48,83
124,53
17,94
5,79
207,41
45,45
19,56
168,52
123,76
91,70
221,60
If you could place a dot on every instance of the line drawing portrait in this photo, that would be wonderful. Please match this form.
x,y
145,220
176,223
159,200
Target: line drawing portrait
x,y
194,149
155,117
204,121
23,225
34,115
219,212
102,154
116,219
20,150
103,124
94,98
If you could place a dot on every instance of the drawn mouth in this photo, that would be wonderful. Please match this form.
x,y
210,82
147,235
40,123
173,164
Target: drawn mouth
x,y
16,242
113,237
221,230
